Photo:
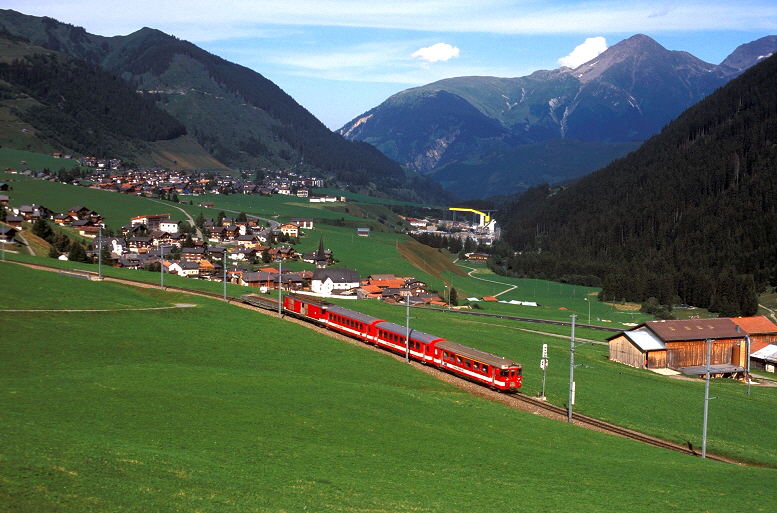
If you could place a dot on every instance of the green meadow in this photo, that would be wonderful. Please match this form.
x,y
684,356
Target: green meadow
x,y
19,160
642,400
215,408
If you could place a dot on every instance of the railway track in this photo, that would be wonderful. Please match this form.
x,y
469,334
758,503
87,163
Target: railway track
x,y
600,425
515,400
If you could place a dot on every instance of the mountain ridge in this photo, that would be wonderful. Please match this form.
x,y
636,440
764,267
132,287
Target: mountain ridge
x,y
626,94
238,116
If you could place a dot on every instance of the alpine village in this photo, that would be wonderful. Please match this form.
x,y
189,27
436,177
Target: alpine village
x,y
212,302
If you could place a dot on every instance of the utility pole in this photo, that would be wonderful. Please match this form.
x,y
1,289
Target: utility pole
x,y
707,399
280,283
162,265
572,370
571,400
747,348
100,252
407,329
224,265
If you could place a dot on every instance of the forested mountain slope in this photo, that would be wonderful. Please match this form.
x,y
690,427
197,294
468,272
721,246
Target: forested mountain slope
x,y
692,213
77,106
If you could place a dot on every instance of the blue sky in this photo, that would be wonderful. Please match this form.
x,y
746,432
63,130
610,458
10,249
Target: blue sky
x,y
340,58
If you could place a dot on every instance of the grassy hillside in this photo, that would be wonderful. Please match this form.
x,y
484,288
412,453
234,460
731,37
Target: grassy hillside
x,y
106,414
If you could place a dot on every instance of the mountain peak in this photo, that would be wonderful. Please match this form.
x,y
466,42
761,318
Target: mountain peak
x,y
638,51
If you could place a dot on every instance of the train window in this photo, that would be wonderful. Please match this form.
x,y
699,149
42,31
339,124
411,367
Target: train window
x,y
477,366
504,373
485,368
467,363
458,359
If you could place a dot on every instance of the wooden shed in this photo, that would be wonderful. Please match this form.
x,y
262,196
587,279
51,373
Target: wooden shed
x,y
680,343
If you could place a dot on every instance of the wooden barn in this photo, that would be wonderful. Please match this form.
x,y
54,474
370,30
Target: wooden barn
x,y
682,344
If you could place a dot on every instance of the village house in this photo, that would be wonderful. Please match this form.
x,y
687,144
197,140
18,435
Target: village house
x,y
170,225
333,280
15,221
247,240
290,230
243,254
33,212
192,254
152,222
63,219
185,268
140,244
306,223
7,233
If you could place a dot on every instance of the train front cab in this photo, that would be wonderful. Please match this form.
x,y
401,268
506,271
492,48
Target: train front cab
x,y
478,366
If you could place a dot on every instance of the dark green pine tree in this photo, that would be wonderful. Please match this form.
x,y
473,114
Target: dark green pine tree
x,y
42,229
77,253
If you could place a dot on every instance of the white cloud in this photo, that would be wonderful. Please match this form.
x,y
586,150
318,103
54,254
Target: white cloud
x,y
437,52
583,53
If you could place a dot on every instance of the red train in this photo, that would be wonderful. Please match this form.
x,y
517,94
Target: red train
x,y
472,364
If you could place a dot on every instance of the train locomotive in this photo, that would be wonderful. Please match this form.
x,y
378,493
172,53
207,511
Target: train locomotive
x,y
472,364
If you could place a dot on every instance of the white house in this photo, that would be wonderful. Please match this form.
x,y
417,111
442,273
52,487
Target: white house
x,y
334,280
170,226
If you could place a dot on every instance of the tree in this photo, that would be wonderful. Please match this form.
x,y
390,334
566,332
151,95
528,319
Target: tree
x,y
454,297
242,217
188,241
77,253
42,229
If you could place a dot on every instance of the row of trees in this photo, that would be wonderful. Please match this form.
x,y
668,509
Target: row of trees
x,y
452,243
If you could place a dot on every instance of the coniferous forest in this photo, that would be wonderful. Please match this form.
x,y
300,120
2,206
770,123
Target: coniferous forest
x,y
690,217
84,107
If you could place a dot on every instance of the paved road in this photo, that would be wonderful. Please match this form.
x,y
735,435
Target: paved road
x,y
471,275
189,217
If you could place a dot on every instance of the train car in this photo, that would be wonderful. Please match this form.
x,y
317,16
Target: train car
x,y
264,302
472,364
393,336
310,308
478,366
349,322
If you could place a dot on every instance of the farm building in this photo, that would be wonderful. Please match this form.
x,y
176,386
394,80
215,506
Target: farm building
x,y
761,330
681,345
765,359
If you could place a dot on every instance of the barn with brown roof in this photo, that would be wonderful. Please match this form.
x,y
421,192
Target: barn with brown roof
x,y
681,345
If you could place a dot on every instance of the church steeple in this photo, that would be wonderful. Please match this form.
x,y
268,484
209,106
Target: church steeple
x,y
321,254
